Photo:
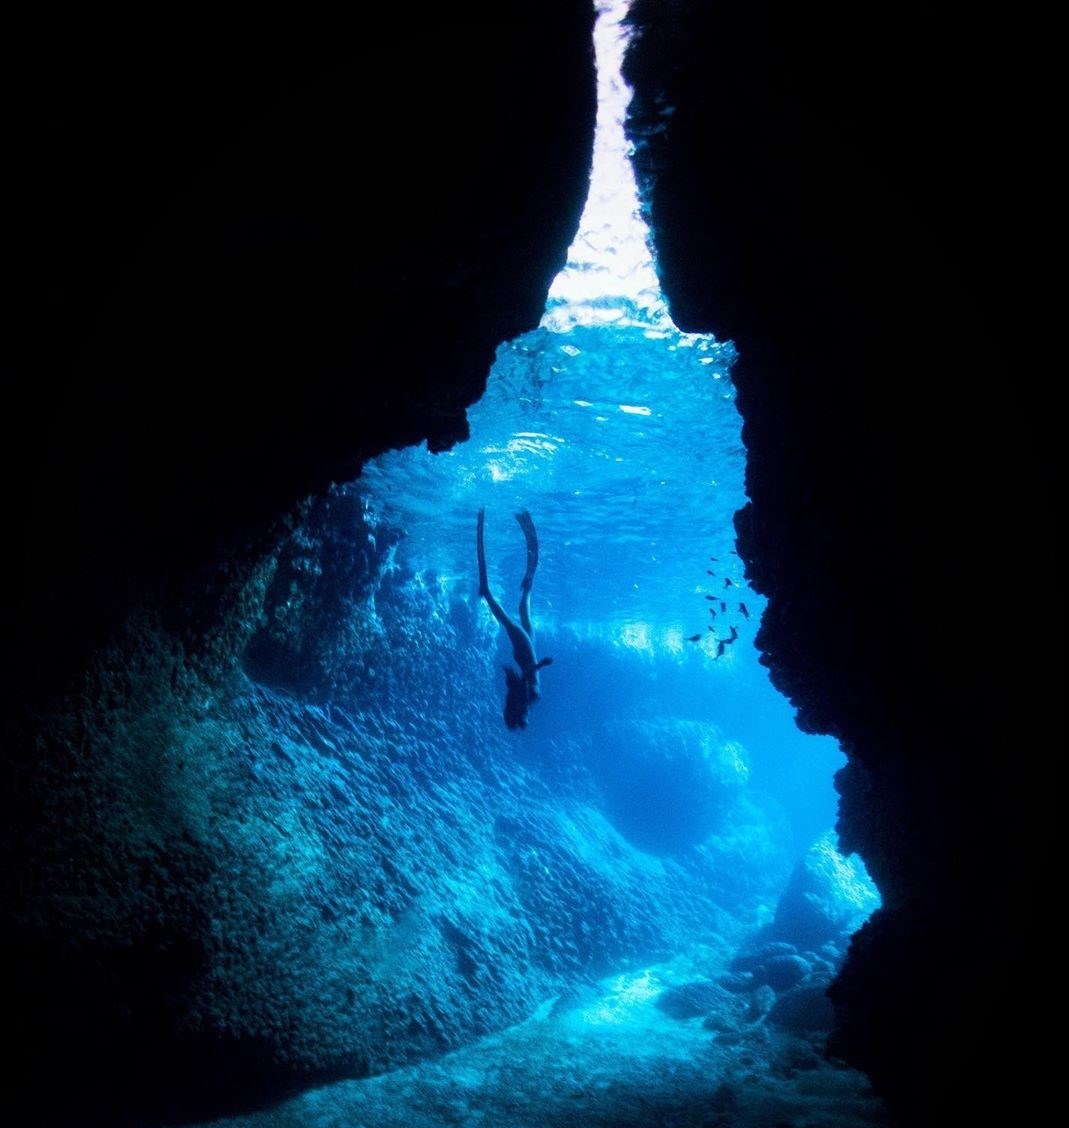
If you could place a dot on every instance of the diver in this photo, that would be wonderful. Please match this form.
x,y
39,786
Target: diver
x,y
521,688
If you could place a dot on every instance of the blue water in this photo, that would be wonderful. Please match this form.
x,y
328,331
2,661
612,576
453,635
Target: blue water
x,y
621,437
624,444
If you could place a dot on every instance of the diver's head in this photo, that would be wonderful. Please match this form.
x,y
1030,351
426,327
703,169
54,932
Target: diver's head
x,y
516,701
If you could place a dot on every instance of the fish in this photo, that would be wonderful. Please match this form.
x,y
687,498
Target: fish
x,y
744,609
694,638
712,611
720,648
710,597
723,606
709,572
734,635
727,582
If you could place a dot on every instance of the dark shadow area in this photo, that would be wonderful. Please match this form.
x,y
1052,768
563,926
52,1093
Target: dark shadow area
x,y
838,215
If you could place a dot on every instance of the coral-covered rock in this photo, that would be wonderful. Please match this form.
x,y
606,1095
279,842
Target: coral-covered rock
x,y
783,972
751,960
827,896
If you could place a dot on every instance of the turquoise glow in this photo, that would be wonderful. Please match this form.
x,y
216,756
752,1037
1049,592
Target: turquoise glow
x,y
621,436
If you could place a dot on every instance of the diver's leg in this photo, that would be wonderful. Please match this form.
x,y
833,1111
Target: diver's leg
x,y
525,610
484,584
531,537
530,666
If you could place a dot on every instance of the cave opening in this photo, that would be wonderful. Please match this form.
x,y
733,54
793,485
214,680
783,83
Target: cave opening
x,y
660,764
265,829
620,434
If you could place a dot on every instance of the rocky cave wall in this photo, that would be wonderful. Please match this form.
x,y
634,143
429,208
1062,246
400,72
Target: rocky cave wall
x,y
851,200
259,252
256,251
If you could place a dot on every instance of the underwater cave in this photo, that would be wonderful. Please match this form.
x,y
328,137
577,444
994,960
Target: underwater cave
x,y
696,290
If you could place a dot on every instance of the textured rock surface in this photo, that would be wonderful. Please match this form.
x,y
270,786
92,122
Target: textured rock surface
x,y
329,860
615,1059
828,196
827,898
260,249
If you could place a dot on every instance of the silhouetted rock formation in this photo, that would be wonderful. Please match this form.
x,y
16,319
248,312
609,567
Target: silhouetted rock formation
x,y
261,249
823,190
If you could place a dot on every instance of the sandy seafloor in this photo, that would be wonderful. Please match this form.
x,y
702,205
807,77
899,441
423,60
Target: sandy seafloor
x,y
609,1057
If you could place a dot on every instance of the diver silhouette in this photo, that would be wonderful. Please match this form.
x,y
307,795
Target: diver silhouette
x,y
521,688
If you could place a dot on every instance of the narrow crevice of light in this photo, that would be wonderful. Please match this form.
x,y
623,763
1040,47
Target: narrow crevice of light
x,y
607,420
609,277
